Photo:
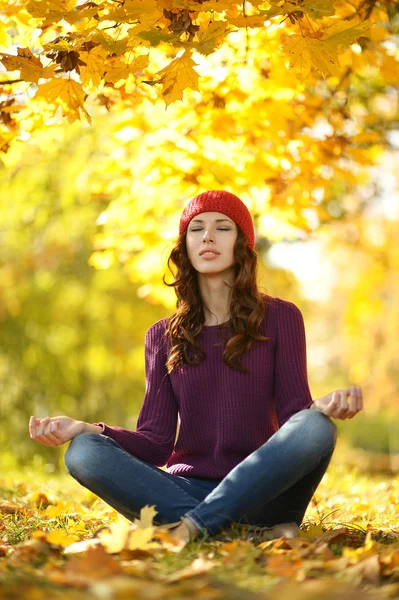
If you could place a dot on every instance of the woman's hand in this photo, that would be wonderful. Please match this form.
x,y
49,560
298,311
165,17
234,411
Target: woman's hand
x,y
54,431
336,405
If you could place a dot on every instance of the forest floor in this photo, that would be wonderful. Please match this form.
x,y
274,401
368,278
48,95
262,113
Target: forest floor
x,y
58,540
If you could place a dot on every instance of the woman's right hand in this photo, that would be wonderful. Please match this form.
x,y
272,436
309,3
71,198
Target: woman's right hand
x,y
54,431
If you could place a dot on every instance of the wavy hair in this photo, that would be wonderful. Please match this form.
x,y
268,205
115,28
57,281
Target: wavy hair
x,y
247,307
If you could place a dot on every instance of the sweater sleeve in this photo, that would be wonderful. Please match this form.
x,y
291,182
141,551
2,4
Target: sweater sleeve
x,y
291,387
154,438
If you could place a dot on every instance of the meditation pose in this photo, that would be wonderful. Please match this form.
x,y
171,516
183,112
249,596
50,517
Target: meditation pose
x,y
229,367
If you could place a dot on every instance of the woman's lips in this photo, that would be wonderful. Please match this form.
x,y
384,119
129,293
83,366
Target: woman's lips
x,y
209,256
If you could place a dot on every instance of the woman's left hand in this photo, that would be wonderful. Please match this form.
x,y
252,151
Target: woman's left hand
x,y
336,405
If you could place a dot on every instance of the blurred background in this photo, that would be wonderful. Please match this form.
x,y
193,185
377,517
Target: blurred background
x,y
88,215
73,316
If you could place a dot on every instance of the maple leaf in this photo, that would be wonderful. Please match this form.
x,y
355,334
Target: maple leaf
x,y
147,514
284,9
212,6
305,52
345,36
95,564
58,537
112,46
29,65
177,76
147,12
210,37
95,65
156,36
50,10
245,20
117,70
318,8
68,94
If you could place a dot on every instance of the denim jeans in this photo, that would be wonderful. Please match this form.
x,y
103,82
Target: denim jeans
x,y
274,484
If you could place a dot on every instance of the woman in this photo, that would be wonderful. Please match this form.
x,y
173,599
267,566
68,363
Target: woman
x,y
231,363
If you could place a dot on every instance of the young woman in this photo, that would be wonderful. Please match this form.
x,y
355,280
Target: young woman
x,y
230,362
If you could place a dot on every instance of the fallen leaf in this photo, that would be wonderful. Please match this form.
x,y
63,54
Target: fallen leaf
x,y
365,571
8,508
199,566
95,564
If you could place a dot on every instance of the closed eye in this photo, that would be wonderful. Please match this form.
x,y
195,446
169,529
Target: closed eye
x,y
219,229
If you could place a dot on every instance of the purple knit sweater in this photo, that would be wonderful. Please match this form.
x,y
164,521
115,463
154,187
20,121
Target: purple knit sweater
x,y
224,414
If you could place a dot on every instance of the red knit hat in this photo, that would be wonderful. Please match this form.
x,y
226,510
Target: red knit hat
x,y
224,202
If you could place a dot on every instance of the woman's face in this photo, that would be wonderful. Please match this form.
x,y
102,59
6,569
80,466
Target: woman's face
x,y
215,232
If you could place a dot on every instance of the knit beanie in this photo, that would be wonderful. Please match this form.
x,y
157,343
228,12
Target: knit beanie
x,y
224,202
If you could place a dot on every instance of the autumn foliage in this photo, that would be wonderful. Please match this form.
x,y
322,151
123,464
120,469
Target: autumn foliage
x,y
77,56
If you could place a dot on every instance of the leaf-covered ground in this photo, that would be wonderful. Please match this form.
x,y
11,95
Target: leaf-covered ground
x,y
57,540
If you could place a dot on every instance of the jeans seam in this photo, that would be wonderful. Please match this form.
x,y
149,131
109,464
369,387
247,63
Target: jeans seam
x,y
200,524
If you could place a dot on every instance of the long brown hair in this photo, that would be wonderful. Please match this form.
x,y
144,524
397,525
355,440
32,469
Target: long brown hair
x,y
247,308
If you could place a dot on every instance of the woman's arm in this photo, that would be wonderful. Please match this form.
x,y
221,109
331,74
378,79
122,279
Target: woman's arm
x,y
291,387
154,438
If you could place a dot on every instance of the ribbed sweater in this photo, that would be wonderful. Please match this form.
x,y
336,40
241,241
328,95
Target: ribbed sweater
x,y
224,414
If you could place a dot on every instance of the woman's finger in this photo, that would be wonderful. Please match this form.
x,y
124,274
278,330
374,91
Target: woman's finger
x,y
343,407
56,434
353,403
42,425
48,435
335,403
359,397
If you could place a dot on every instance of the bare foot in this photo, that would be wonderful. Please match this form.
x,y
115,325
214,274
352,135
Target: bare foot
x,y
181,533
185,532
287,530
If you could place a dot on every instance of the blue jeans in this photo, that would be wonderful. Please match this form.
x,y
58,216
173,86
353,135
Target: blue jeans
x,y
272,485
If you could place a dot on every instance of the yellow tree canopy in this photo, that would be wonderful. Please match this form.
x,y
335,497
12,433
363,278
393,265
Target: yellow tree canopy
x,y
76,56
287,104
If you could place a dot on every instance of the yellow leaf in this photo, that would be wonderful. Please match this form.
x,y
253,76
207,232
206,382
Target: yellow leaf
x,y
300,59
147,12
110,44
95,65
344,36
62,508
302,49
29,65
177,76
313,531
68,94
199,566
116,70
377,34
116,539
284,9
141,538
139,64
246,21
210,36
51,9
147,514
212,6
60,538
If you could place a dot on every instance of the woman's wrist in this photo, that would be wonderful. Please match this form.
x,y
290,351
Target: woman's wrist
x,y
88,428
